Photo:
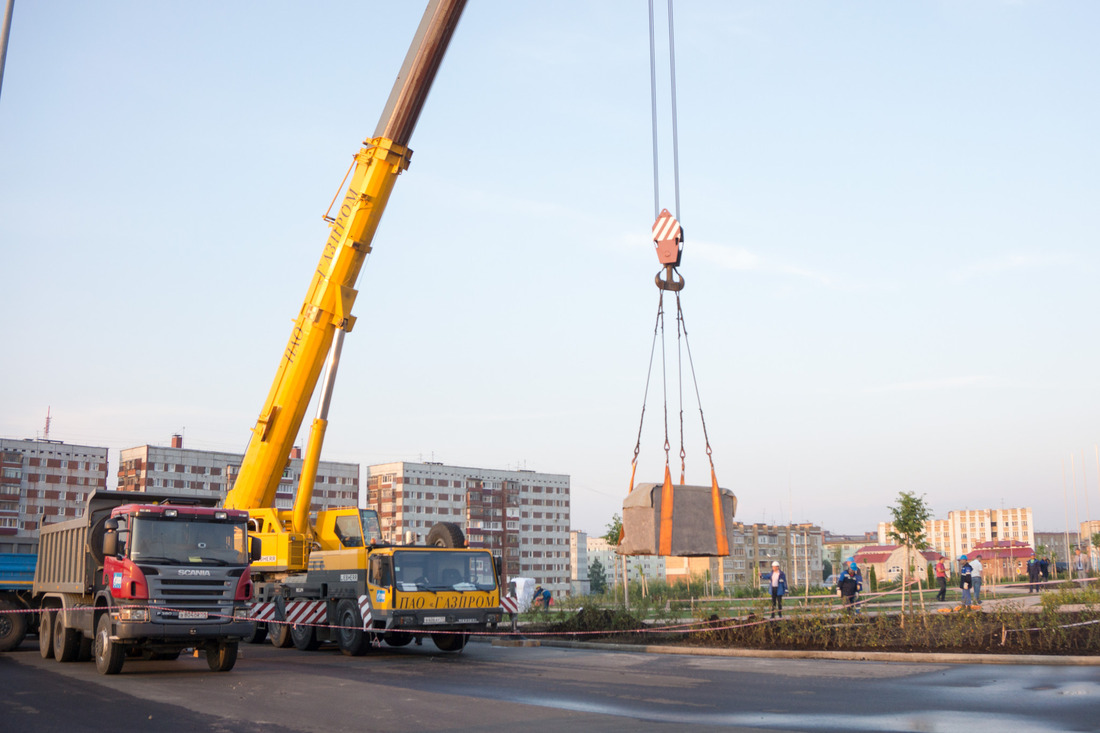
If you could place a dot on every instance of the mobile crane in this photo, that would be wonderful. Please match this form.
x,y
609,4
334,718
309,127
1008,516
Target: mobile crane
x,y
335,579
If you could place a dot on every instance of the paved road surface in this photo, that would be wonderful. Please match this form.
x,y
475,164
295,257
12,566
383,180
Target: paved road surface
x,y
534,689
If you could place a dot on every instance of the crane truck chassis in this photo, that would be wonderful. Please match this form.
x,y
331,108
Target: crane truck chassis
x,y
367,591
149,578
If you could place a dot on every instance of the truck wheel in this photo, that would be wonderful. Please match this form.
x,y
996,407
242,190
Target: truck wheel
x,y
397,638
13,626
258,635
445,534
450,642
353,641
221,657
304,637
279,634
109,656
84,653
66,645
45,633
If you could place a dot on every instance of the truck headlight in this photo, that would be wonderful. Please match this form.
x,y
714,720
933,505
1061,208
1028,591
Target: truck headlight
x,y
242,612
492,618
134,615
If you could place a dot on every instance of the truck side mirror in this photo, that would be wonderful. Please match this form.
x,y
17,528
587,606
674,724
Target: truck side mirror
x,y
110,538
498,565
255,550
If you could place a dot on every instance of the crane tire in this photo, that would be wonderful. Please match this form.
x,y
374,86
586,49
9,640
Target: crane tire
x,y
353,640
445,534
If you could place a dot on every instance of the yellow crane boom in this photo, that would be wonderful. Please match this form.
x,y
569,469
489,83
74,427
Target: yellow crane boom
x,y
326,312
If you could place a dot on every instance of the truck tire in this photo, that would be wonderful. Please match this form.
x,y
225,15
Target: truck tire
x,y
258,635
353,641
450,642
304,637
279,635
109,656
397,638
45,633
84,653
66,642
445,534
221,657
13,625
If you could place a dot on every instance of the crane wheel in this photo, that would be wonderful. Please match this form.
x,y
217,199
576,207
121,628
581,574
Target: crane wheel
x,y
353,640
445,534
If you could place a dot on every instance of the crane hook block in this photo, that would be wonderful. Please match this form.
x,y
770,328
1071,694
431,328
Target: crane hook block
x,y
702,519
668,237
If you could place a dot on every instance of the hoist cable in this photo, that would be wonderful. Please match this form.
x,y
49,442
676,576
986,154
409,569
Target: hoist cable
x,y
664,376
653,105
695,381
648,375
675,139
680,387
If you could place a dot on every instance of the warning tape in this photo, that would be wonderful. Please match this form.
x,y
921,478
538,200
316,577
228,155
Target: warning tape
x,y
306,613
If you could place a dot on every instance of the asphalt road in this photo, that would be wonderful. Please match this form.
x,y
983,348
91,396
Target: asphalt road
x,y
533,689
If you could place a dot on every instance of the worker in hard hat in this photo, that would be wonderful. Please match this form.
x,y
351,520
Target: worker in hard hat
x,y
965,580
779,589
850,584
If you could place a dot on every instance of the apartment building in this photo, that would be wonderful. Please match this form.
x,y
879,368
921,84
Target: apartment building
x,y
521,515
1059,545
44,480
798,548
964,529
187,472
652,567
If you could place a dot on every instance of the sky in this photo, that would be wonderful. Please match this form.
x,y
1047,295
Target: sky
x,y
890,258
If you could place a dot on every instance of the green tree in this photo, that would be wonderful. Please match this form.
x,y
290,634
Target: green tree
x,y
826,569
597,578
614,533
909,516
872,578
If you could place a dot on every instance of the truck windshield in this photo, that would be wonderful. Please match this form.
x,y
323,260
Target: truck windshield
x,y
187,542
437,570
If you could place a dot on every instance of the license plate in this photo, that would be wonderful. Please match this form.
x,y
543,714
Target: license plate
x,y
190,615
435,619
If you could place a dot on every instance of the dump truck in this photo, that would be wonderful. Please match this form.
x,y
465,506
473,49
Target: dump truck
x,y
16,613
146,575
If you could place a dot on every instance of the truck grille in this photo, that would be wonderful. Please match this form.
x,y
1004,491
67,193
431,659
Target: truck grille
x,y
192,592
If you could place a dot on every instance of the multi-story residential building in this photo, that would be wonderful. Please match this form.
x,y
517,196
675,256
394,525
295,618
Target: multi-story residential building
x,y
186,472
837,548
522,515
753,548
1087,530
45,479
578,563
1059,545
965,529
652,567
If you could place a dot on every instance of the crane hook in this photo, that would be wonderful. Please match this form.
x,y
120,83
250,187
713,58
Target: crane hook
x,y
668,238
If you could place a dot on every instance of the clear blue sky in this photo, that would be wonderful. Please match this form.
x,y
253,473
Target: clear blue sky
x,y
891,261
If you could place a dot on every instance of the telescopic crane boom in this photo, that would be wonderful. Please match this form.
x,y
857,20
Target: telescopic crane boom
x,y
325,315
